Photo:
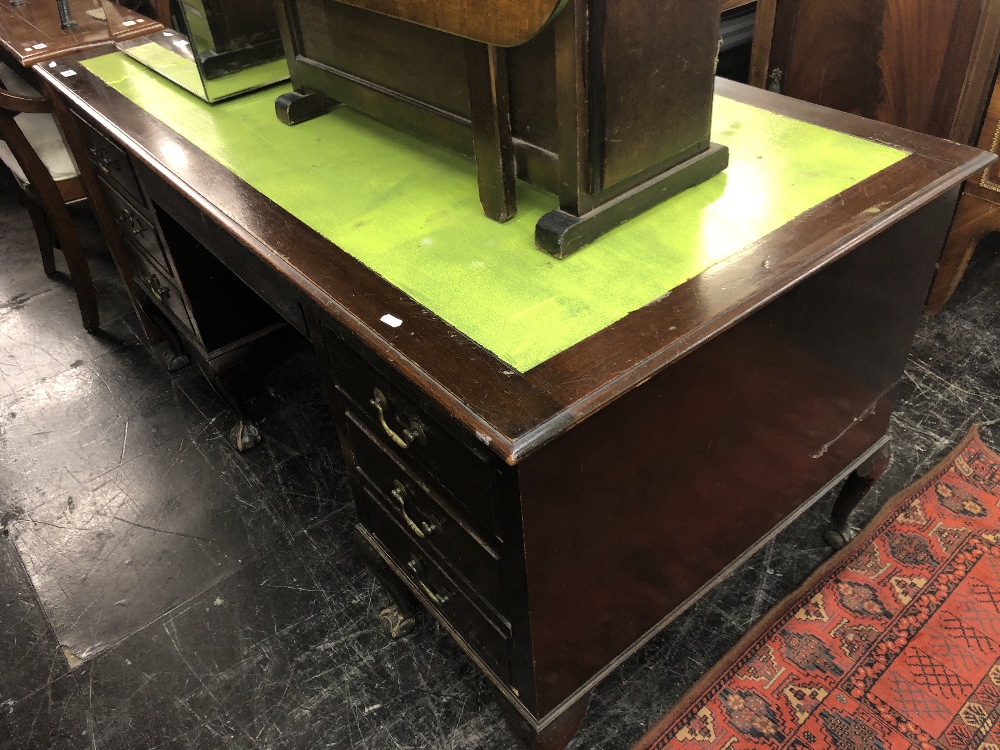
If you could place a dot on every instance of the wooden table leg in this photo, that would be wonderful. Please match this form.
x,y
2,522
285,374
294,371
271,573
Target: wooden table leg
x,y
857,485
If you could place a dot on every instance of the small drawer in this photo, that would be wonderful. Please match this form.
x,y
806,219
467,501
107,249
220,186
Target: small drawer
x,y
426,516
439,592
111,161
415,430
137,228
159,287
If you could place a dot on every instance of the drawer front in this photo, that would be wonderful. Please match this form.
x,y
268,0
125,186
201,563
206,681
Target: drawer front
x,y
428,518
112,162
440,593
159,287
415,431
134,225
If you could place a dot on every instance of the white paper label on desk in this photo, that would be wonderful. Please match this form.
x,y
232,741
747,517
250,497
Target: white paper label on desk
x,y
67,73
391,320
128,23
40,45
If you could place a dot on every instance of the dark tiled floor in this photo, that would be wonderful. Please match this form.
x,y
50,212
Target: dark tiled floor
x,y
161,591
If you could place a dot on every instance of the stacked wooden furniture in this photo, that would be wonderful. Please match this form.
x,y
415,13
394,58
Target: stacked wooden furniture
x,y
606,104
553,521
922,64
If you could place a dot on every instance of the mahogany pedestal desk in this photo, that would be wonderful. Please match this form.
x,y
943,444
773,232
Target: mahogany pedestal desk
x,y
555,514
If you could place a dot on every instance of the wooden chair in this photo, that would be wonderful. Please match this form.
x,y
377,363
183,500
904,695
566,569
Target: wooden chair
x,y
33,148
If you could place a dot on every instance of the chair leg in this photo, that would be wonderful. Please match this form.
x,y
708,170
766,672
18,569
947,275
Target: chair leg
x,y
41,226
79,269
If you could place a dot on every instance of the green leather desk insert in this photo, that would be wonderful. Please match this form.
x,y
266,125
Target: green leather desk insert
x,y
410,211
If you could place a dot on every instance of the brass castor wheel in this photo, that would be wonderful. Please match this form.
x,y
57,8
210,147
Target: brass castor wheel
x,y
244,436
838,538
396,622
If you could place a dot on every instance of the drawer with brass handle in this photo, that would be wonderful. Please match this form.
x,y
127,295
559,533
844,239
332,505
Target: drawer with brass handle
x,y
111,161
427,515
419,435
159,288
136,228
442,594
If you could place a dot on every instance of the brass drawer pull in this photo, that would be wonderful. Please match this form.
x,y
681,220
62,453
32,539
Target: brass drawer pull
x,y
157,289
400,494
131,222
414,433
103,161
436,598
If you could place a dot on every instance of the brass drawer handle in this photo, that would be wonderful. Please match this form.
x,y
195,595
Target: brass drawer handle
x,y
400,495
436,598
414,433
131,222
104,162
157,289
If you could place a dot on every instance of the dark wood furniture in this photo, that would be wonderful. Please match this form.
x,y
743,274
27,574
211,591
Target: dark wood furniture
x,y
977,217
608,104
201,308
31,33
556,520
46,192
922,64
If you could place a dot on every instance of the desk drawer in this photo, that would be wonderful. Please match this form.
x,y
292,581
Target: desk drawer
x,y
427,517
439,592
417,433
137,228
159,287
112,162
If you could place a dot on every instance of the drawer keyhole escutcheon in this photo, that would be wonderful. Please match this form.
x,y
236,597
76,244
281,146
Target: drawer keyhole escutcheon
x,y
438,599
400,495
414,433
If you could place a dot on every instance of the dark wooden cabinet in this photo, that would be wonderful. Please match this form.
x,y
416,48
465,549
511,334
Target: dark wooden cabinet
x,y
556,519
606,104
922,64
204,310
925,65
977,217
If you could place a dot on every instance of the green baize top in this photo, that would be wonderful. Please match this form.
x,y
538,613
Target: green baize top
x,y
410,211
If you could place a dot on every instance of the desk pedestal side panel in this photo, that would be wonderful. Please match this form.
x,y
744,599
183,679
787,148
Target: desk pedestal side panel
x,y
603,534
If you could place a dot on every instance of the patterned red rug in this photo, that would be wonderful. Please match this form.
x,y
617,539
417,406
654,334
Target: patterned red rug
x,y
893,643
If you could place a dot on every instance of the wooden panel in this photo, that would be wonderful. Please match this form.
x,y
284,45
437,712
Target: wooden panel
x,y
921,64
500,22
30,33
653,102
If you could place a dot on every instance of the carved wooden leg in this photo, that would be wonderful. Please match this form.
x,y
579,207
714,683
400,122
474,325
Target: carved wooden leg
x,y
857,485
974,219
398,619
553,735
41,226
294,107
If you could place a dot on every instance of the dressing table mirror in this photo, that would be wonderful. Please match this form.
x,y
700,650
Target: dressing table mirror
x,y
224,48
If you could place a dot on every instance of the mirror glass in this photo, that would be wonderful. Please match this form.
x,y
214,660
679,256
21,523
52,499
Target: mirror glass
x,y
230,46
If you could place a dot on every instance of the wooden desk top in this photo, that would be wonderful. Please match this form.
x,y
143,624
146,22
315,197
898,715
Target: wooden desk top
x,y
511,412
30,33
